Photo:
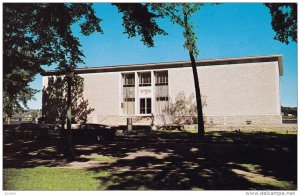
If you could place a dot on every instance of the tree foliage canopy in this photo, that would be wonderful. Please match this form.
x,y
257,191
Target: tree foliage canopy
x,y
180,13
139,20
284,21
183,109
289,110
36,34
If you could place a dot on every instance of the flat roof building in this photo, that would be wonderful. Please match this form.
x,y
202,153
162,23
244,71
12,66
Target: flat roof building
x,y
234,91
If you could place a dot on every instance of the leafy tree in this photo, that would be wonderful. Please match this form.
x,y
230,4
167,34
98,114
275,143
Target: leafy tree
x,y
56,105
180,14
284,21
289,110
183,109
36,34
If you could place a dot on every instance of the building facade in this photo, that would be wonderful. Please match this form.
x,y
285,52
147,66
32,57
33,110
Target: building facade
x,y
234,91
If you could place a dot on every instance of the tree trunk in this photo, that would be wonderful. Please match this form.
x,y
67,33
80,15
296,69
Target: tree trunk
x,y
191,47
201,129
69,150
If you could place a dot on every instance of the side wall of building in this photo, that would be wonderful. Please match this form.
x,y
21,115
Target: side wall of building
x,y
101,93
234,93
102,90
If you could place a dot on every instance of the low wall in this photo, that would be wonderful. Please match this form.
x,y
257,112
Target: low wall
x,y
242,120
274,127
211,122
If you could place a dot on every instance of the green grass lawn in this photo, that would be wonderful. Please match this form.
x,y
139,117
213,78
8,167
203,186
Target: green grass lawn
x,y
47,178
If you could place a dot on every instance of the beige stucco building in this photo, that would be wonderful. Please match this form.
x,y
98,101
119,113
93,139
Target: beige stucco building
x,y
234,91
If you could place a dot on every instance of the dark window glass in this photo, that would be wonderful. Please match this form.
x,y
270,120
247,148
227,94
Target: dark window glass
x,y
142,106
161,78
145,79
148,106
145,106
162,98
128,80
129,99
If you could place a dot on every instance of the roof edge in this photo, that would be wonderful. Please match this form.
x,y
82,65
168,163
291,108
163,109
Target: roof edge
x,y
175,64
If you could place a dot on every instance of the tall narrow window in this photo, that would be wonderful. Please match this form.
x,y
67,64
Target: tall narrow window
x,y
128,93
161,92
145,79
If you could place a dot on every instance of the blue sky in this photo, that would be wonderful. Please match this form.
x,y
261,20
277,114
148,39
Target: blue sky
x,y
224,31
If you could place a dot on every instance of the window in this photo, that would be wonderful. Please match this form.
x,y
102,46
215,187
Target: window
x,y
162,98
145,79
128,104
162,105
161,78
161,92
145,106
128,80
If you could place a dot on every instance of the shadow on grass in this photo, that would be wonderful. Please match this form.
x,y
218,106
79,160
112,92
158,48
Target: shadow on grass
x,y
178,161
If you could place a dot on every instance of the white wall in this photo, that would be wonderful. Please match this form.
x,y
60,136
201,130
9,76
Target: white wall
x,y
237,89
102,92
